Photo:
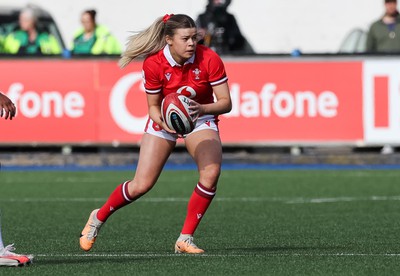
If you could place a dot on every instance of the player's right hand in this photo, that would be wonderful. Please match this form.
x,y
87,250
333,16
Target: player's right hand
x,y
166,128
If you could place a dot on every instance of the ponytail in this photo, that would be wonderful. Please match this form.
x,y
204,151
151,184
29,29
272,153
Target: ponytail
x,y
152,40
144,43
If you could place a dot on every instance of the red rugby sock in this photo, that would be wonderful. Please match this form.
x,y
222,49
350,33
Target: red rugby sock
x,y
197,206
118,198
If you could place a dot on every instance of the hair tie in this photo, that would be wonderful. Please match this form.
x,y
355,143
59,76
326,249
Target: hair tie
x,y
167,17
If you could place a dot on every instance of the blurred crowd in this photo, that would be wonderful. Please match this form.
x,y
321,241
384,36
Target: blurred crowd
x,y
34,33
31,34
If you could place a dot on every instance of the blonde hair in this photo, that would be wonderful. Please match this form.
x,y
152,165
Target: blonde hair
x,y
152,39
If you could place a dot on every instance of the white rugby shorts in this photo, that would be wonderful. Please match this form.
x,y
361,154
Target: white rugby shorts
x,y
203,122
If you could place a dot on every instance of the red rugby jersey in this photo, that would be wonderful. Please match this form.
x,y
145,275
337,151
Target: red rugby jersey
x,y
161,74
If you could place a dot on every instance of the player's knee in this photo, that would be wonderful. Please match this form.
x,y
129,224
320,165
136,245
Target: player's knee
x,y
137,189
210,175
143,189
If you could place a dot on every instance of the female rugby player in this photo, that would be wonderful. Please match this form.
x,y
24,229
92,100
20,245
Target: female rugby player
x,y
174,63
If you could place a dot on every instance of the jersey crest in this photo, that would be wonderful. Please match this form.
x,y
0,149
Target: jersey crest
x,y
196,73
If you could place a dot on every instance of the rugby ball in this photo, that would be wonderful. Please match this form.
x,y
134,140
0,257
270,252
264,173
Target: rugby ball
x,y
175,113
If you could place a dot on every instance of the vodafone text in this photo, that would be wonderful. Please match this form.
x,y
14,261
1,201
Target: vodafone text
x,y
46,104
270,102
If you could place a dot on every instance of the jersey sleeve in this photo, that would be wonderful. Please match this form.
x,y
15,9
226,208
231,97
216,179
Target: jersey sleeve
x,y
217,74
151,79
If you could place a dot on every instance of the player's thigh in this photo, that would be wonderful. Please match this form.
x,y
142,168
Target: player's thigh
x,y
154,152
205,148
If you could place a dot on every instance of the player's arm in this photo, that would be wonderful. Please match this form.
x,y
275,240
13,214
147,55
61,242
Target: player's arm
x,y
153,88
154,107
7,108
221,106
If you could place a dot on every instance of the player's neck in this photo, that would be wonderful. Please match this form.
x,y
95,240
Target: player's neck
x,y
179,60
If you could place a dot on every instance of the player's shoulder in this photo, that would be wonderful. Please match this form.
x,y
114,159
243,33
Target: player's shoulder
x,y
206,53
154,59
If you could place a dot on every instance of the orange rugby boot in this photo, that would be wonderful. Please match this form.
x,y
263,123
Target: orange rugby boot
x,y
185,244
90,232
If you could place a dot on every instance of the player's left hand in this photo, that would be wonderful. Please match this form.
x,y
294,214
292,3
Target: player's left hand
x,y
7,107
196,110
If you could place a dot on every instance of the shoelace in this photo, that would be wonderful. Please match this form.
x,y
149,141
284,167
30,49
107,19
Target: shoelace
x,y
94,230
7,251
190,242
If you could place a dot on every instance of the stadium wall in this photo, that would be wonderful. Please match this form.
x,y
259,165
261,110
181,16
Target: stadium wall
x,y
306,101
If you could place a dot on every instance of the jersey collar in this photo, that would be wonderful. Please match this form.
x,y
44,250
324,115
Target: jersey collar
x,y
170,59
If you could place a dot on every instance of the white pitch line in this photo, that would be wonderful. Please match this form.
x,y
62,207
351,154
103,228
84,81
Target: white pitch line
x,y
338,254
342,199
149,255
299,200
150,199
62,180
132,255
54,199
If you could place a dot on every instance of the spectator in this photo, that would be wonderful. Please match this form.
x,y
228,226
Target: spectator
x,y
1,43
29,39
219,30
384,34
2,38
94,39
384,37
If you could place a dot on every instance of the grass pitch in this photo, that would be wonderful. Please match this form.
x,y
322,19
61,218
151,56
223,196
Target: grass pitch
x,y
308,222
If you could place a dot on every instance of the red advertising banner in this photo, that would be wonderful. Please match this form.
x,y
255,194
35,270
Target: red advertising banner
x,y
55,101
93,101
294,101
